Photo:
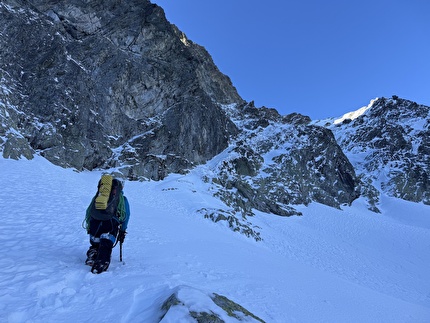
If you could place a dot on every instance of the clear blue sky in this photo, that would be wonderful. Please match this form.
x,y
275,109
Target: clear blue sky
x,y
318,58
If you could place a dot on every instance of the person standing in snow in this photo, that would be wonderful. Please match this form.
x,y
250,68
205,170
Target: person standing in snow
x,y
106,222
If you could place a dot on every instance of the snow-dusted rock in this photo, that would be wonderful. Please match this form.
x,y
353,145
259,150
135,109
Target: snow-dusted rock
x,y
389,146
191,304
278,162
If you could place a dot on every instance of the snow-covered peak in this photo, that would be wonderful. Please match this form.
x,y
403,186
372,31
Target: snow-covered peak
x,y
355,114
388,144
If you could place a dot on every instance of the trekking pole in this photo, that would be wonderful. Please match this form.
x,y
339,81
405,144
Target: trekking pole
x,y
120,251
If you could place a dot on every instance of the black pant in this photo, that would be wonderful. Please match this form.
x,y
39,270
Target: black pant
x,y
103,236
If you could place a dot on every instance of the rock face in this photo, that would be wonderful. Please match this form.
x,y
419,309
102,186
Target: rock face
x,y
107,84
278,162
389,143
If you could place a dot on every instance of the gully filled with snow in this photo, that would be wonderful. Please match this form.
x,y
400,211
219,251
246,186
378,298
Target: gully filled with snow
x,y
329,265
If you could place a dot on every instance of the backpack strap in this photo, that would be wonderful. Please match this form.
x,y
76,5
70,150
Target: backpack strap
x,y
120,211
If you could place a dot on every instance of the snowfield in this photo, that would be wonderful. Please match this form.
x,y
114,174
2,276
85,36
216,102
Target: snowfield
x,y
328,265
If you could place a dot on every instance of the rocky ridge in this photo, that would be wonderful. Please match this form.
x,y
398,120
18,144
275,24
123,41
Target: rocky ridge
x,y
388,143
279,162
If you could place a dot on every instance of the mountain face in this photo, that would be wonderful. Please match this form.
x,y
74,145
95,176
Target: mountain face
x,y
279,161
91,84
113,85
389,142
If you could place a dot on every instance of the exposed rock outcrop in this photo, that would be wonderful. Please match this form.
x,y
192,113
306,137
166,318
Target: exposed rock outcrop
x,y
220,309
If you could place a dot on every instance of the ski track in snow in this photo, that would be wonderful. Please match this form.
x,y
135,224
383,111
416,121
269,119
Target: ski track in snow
x,y
326,266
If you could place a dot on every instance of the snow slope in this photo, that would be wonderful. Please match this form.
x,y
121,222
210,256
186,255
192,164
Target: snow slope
x,y
329,265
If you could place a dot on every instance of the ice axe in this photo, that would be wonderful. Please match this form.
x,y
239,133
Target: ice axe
x,y
120,239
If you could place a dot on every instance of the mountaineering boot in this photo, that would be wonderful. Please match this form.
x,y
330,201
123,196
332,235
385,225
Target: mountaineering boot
x,y
102,262
91,255
100,266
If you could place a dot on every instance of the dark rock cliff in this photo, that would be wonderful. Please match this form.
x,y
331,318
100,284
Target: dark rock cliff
x,y
109,84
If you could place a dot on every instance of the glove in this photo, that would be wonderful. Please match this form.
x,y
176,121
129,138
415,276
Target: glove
x,y
121,236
